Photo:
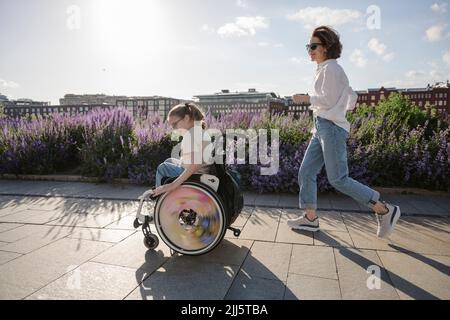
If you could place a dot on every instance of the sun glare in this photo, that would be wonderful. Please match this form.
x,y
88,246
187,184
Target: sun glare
x,y
130,25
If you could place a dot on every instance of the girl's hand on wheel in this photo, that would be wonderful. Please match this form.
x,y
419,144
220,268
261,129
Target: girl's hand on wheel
x,y
163,189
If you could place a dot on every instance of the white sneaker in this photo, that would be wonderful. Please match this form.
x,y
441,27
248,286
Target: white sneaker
x,y
386,222
303,223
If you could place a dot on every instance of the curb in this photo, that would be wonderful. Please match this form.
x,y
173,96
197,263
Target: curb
x,y
406,214
78,178
59,177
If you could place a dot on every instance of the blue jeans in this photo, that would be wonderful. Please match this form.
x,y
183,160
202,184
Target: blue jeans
x,y
169,168
328,146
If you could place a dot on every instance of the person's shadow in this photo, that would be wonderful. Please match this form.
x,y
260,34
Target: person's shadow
x,y
217,275
388,276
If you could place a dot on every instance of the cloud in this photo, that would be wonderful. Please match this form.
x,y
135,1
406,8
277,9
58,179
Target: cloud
x,y
415,74
317,16
8,84
299,60
376,46
263,44
206,28
242,3
380,49
243,26
436,32
358,58
446,58
419,78
439,8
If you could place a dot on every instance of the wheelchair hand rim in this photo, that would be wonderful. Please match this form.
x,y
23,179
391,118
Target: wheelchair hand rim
x,y
209,228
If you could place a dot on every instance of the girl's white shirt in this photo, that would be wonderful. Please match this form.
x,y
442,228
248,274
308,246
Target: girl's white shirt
x,y
193,145
332,94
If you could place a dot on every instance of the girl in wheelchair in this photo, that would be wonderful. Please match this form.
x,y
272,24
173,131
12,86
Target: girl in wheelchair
x,y
197,199
185,118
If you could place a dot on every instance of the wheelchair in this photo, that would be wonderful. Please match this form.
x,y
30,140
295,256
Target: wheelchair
x,y
192,219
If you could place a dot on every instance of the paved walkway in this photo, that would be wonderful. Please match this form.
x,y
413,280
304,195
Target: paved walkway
x,y
76,241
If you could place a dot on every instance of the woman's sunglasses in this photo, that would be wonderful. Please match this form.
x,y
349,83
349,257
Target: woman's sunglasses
x,y
313,46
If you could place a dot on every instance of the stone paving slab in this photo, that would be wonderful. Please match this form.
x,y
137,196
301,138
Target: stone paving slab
x,y
412,237
87,220
91,281
115,191
313,261
132,253
186,279
352,265
22,232
124,223
47,188
8,210
37,240
332,238
228,252
7,256
247,287
425,277
301,287
21,277
268,260
262,225
287,235
95,234
8,226
362,229
31,216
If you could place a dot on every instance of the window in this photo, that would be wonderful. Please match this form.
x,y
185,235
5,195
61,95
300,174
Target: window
x,y
373,98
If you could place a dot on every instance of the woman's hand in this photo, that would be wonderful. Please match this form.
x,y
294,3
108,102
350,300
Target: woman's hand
x,y
164,188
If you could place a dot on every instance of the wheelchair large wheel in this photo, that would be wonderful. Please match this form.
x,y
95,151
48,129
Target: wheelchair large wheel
x,y
191,219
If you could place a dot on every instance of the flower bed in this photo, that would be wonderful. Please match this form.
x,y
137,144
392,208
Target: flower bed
x,y
391,145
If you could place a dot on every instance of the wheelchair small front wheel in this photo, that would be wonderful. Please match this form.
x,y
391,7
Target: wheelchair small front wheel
x,y
151,241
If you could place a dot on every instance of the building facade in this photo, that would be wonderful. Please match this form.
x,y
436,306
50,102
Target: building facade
x,y
437,95
248,101
27,111
141,107
296,109
89,99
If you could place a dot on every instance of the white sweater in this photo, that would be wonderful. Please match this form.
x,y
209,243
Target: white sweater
x,y
332,94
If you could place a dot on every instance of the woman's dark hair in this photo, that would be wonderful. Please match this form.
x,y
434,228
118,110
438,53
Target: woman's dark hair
x,y
190,109
330,39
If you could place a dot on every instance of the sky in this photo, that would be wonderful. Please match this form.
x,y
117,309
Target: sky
x,y
182,48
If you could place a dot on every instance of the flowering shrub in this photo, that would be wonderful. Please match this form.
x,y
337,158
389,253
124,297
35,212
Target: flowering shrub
x,y
41,146
393,144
